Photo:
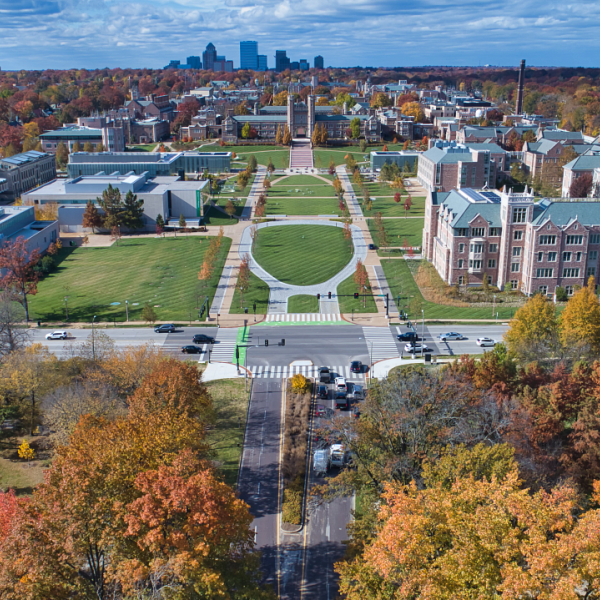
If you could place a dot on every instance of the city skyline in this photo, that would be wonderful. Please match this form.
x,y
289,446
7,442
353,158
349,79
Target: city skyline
x,y
39,34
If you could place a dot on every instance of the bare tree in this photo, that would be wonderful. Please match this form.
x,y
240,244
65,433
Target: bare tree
x,y
14,335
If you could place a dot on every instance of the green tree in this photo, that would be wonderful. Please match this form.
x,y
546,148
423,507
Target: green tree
x,y
112,205
246,130
363,145
252,163
148,313
355,128
62,155
270,166
160,222
132,215
182,222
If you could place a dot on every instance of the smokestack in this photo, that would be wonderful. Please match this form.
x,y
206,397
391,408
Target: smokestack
x,y
520,89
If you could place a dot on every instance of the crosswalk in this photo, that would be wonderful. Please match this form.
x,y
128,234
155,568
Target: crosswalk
x,y
224,347
380,343
303,318
282,371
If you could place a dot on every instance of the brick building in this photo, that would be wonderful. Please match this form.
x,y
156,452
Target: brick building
x,y
26,171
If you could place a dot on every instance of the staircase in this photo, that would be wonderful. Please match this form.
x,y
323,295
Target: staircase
x,y
301,156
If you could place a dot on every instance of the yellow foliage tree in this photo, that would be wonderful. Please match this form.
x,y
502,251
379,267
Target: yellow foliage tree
x,y
413,109
580,320
26,451
299,383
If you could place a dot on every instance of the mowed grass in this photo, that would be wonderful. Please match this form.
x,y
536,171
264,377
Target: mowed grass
x,y
279,155
258,292
161,271
303,303
283,190
402,283
230,401
142,148
299,180
388,207
216,218
302,206
302,254
398,231
346,299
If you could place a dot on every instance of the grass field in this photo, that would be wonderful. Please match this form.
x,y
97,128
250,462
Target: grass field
x,y
348,302
302,254
231,404
16,473
297,180
142,148
237,192
280,155
285,190
402,282
259,293
303,304
397,230
163,272
389,208
215,217
302,206
322,156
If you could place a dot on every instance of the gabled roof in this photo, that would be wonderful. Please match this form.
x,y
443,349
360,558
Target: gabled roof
x,y
585,162
563,213
557,134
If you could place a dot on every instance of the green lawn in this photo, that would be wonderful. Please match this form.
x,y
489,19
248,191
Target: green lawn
x,y
402,282
303,304
141,148
163,272
397,230
389,208
322,156
230,401
297,180
285,190
347,302
215,217
302,206
259,293
237,192
302,254
280,155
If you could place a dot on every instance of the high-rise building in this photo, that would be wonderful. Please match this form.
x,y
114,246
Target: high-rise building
x,y
262,63
304,66
295,65
249,55
282,62
318,62
209,56
194,62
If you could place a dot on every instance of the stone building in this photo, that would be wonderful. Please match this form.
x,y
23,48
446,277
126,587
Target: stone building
x,y
25,171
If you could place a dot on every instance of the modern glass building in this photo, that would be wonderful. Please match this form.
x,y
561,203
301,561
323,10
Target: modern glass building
x,y
262,62
249,55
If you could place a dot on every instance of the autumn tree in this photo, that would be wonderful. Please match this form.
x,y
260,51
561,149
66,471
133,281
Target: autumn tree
x,y
148,313
88,147
25,451
13,336
243,280
580,321
92,217
18,263
287,136
407,205
361,279
347,231
76,147
270,165
230,209
279,135
397,197
581,186
242,180
414,109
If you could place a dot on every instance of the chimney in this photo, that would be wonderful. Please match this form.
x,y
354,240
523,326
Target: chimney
x,y
520,89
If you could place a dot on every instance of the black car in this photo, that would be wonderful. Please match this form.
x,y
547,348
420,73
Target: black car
x,y
322,391
409,336
200,338
191,350
356,366
372,247
166,328
324,375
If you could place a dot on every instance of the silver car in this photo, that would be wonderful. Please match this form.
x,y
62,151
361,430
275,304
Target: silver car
x,y
486,341
415,348
451,335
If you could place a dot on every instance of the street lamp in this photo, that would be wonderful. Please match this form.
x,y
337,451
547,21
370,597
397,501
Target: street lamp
x,y
127,309
423,332
494,306
370,360
93,340
67,307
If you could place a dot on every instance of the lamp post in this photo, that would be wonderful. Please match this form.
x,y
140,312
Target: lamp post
x,y
494,306
422,332
127,309
370,360
67,307
93,340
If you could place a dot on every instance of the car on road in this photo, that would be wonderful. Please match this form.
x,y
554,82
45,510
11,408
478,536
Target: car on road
x,y
417,348
356,366
340,384
341,399
322,391
408,336
57,335
320,411
200,338
320,462
372,247
357,392
451,335
166,328
191,350
485,341
324,375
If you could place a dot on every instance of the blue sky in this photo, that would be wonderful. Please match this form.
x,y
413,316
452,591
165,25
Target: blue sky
x,y
61,34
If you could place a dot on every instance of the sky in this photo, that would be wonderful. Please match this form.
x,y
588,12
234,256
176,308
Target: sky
x,y
62,34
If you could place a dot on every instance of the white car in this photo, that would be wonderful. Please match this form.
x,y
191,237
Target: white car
x,y
417,348
340,383
451,335
57,335
486,341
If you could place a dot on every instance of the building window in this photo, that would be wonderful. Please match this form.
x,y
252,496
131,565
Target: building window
x,y
477,248
595,238
462,232
567,272
516,251
518,235
491,263
544,272
461,280
552,256
461,248
569,290
540,256
493,248
514,284
591,271
489,279
519,215
460,263
547,240
574,240
478,232
474,264
515,267
593,255
495,231
543,289
577,256
566,256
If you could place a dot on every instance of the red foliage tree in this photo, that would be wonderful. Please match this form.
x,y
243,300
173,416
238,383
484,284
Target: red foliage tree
x,y
582,186
397,197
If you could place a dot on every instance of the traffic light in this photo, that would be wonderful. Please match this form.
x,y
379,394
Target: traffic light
x,y
329,295
266,342
254,306
237,351
246,310
318,296
283,342
356,294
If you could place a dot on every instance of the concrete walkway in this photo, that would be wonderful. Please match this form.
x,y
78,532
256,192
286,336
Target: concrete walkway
x,y
280,292
221,370
349,195
255,191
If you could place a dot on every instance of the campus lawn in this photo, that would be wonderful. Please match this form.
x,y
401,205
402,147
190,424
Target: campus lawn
x,y
347,302
236,193
285,190
299,180
303,304
141,148
280,155
389,208
161,271
402,283
214,217
258,292
397,230
230,401
322,156
302,206
302,254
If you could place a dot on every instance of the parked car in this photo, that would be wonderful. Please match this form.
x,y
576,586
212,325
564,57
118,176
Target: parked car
x,y
417,348
356,366
200,338
451,335
57,335
324,375
191,350
486,341
166,328
320,411
322,391
372,247
408,336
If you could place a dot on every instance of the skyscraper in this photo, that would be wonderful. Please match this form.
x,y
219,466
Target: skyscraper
x,y
282,62
318,62
249,55
262,62
209,56
194,62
